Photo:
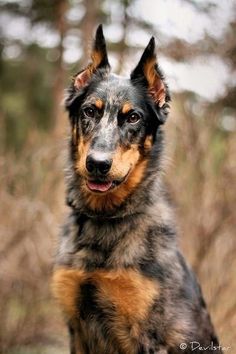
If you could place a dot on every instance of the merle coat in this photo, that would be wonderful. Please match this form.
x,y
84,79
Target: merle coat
x,y
120,279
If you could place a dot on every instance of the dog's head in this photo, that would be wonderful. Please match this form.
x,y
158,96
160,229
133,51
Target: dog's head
x,y
114,124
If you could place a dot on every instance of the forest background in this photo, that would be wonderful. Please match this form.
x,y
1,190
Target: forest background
x,y
42,43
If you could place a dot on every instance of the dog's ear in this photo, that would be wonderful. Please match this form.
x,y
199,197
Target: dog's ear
x,y
148,69
99,60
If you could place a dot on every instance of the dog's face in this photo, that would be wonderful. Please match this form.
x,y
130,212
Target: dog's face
x,y
114,124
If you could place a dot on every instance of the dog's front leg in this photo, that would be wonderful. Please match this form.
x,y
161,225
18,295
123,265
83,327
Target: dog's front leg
x,y
72,339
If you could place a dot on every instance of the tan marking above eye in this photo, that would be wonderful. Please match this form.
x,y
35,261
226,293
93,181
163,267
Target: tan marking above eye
x,y
99,103
127,107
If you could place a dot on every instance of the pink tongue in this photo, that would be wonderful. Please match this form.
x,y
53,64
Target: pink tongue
x,y
102,187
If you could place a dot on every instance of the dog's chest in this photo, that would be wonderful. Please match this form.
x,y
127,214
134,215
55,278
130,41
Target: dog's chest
x,y
117,300
127,291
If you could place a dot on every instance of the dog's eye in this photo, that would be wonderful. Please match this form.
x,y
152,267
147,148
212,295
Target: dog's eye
x,y
133,118
89,112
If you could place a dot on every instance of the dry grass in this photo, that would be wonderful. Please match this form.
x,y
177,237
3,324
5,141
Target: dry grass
x,y
32,203
202,181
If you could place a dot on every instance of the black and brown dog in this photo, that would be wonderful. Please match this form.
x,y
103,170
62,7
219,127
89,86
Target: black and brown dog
x,y
120,278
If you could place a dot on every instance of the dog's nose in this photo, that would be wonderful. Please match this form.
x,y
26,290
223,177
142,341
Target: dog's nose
x,y
98,164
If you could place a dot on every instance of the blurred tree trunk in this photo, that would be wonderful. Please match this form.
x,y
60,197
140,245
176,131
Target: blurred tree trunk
x,y
123,49
59,82
88,24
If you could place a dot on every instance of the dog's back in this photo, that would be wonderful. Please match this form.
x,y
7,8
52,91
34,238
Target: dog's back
x,y
120,279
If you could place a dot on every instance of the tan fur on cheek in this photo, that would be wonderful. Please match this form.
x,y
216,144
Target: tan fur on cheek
x,y
83,148
135,176
123,161
148,143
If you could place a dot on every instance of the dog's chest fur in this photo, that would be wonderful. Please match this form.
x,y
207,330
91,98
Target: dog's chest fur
x,y
103,291
111,276
107,307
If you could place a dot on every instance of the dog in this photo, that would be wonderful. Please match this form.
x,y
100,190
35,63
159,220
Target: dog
x,y
120,279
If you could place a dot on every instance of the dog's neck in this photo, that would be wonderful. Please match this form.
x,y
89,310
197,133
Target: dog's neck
x,y
145,209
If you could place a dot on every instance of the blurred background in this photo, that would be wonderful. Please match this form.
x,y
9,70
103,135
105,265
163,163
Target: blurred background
x,y
42,43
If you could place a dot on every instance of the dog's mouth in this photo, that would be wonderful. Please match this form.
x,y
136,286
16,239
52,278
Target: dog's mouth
x,y
97,186
103,186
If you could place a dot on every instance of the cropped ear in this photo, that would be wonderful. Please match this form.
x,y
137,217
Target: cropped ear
x,y
148,69
99,60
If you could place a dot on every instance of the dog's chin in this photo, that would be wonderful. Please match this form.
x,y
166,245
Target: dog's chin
x,y
102,186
